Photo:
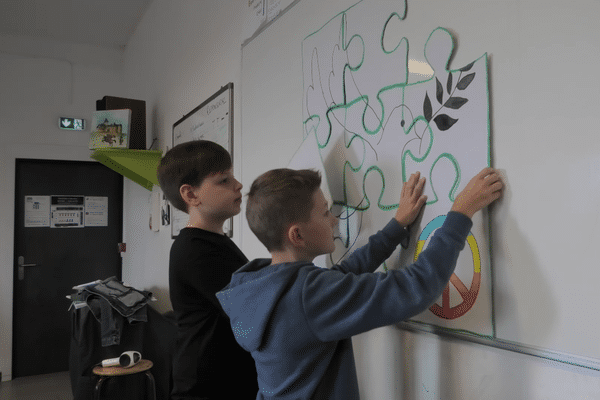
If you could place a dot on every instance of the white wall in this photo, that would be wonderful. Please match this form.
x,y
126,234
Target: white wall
x,y
181,53
39,82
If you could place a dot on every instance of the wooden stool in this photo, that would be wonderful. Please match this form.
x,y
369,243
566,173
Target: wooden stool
x,y
109,372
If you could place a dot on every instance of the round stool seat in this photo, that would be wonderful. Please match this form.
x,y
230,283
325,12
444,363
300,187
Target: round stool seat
x,y
143,365
105,373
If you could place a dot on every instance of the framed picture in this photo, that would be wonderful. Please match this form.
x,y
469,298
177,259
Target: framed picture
x,y
110,129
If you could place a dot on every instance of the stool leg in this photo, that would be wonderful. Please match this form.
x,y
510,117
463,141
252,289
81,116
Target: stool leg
x,y
152,384
99,387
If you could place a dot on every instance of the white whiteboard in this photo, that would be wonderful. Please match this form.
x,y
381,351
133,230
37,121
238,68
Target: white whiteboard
x,y
544,94
212,120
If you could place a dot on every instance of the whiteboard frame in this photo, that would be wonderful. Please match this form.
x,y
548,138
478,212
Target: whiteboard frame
x,y
499,150
534,351
186,137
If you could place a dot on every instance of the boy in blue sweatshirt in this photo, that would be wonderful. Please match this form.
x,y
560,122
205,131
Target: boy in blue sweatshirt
x,y
297,319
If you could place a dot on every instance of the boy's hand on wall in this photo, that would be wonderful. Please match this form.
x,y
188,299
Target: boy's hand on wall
x,y
412,200
482,189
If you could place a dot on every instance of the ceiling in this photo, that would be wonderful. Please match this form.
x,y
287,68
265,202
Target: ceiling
x,y
103,23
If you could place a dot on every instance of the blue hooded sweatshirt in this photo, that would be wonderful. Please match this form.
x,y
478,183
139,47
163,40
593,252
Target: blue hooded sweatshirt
x,y
297,319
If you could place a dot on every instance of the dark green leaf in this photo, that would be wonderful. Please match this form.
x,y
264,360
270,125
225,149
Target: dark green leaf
x,y
455,102
444,122
427,108
439,92
467,67
449,83
466,81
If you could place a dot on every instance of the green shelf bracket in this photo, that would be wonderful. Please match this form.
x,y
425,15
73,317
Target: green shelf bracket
x,y
138,165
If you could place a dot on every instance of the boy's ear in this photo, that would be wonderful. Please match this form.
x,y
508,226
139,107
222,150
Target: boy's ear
x,y
189,195
294,236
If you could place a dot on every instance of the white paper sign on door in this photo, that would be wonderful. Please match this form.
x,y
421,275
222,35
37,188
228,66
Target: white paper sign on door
x,y
37,211
96,211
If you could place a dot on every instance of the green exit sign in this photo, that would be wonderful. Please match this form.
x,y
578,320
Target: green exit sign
x,y
72,124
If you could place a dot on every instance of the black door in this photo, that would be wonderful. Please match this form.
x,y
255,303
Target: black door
x,y
56,253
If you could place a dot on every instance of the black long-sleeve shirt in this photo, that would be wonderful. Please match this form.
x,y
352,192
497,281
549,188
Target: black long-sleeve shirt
x,y
208,363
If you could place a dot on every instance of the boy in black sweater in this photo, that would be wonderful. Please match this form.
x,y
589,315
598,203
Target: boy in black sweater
x,y
196,177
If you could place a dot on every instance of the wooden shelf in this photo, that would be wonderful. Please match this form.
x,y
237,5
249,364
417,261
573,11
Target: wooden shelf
x,y
138,165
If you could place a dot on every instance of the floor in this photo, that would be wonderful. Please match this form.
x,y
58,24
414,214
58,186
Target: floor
x,y
55,386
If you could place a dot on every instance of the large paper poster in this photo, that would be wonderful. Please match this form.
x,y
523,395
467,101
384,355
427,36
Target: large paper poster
x,y
370,121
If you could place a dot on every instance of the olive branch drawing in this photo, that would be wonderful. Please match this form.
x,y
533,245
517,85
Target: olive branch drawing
x,y
444,121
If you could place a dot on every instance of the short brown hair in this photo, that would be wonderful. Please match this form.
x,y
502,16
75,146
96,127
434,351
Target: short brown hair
x,y
190,163
278,198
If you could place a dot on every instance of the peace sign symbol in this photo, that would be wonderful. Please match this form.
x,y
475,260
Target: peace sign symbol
x,y
468,295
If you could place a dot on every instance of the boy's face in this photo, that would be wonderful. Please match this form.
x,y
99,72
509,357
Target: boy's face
x,y
220,195
318,232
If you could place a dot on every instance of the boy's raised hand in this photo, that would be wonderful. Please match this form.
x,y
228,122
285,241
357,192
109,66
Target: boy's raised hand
x,y
412,200
482,189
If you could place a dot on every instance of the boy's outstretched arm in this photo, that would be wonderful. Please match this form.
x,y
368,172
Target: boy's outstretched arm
x,y
482,189
370,256
412,200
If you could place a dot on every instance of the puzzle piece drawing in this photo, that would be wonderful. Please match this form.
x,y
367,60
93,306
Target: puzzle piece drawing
x,y
372,129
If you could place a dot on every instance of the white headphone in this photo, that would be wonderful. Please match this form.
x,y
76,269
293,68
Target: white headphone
x,y
125,360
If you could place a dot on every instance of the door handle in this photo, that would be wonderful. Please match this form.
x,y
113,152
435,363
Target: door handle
x,y
22,265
